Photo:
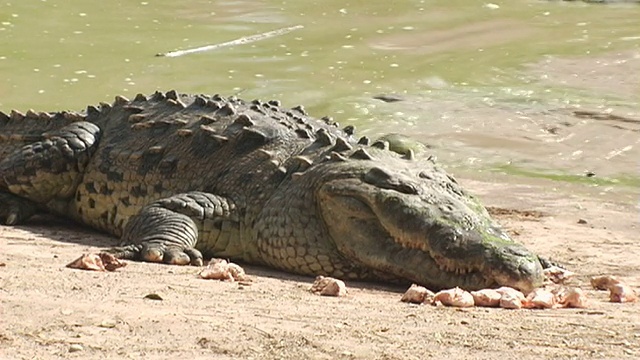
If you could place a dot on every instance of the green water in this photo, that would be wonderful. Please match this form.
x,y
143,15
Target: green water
x,y
64,55
67,54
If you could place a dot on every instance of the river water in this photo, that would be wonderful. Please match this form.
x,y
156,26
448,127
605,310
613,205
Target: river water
x,y
488,86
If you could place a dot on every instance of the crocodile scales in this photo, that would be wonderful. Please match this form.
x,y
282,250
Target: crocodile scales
x,y
179,176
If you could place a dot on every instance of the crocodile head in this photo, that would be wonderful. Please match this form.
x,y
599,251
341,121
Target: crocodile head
x,y
419,225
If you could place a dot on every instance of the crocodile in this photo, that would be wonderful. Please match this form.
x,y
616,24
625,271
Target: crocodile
x,y
180,178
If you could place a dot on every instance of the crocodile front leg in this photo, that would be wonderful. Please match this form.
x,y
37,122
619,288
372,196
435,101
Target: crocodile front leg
x,y
46,173
176,229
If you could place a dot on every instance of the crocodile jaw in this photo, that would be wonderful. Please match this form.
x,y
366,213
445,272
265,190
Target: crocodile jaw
x,y
403,236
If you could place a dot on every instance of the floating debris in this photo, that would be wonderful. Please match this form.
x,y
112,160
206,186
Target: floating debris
x,y
240,41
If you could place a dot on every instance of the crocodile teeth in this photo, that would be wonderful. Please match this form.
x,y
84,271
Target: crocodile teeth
x,y
446,265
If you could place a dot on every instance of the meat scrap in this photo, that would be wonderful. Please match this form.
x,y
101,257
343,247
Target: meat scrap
x,y
540,298
604,282
558,275
417,294
571,298
97,262
328,286
505,297
618,290
221,269
511,298
454,297
622,293
486,297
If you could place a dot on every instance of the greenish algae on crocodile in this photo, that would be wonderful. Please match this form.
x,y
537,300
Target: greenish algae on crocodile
x,y
180,176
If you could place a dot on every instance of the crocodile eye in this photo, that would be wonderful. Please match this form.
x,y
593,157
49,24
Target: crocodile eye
x,y
385,180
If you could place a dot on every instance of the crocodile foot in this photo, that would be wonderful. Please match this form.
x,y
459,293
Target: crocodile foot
x,y
167,230
158,252
15,210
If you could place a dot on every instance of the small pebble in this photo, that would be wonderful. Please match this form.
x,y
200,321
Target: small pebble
x,y
108,324
582,221
153,296
75,348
